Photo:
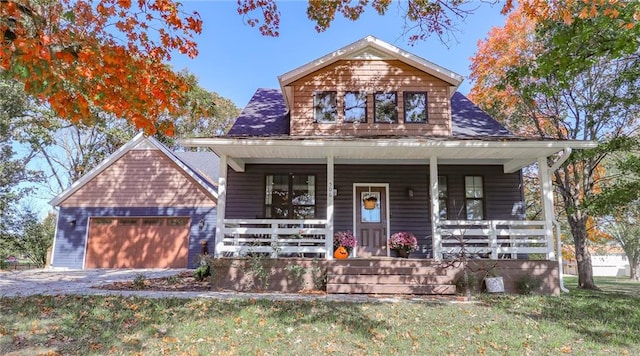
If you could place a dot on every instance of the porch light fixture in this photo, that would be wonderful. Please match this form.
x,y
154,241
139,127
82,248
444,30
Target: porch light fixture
x,y
335,192
73,222
201,224
410,193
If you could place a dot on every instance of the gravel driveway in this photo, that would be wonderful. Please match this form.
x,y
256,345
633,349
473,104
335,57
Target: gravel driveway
x,y
51,282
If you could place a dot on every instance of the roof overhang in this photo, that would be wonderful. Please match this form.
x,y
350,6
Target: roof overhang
x,y
511,154
369,48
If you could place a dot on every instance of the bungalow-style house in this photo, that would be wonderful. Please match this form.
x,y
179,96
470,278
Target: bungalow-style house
x,y
376,140
142,207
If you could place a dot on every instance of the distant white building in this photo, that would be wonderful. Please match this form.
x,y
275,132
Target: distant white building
x,y
612,264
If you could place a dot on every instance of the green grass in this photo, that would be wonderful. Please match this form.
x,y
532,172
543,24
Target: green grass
x,y
582,322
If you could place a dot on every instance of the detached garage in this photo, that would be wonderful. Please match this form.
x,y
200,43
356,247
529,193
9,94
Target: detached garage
x,y
143,207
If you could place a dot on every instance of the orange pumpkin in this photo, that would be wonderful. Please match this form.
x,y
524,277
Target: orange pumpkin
x,y
341,253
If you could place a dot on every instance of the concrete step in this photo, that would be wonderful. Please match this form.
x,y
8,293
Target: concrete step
x,y
439,289
387,270
411,279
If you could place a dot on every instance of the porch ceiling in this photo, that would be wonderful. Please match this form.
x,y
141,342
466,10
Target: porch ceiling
x,y
512,154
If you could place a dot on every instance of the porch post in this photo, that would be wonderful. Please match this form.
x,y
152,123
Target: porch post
x,y
222,203
435,208
329,227
546,189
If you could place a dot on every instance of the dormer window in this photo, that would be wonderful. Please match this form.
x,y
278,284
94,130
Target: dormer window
x,y
385,107
415,107
325,104
355,106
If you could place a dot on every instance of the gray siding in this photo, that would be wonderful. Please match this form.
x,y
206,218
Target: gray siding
x,y
246,191
503,193
70,240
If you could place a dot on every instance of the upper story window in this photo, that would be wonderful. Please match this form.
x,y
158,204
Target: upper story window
x,y
289,196
385,107
474,197
355,106
415,107
325,105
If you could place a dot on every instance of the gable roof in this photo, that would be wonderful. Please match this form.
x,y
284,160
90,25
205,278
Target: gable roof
x,y
369,47
140,141
266,116
468,120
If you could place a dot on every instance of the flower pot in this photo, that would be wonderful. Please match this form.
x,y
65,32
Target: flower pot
x,y
402,253
494,284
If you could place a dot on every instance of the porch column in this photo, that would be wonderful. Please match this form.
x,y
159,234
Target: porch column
x,y
546,189
221,207
329,227
435,208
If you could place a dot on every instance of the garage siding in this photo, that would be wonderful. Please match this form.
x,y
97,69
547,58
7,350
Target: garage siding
x,y
70,244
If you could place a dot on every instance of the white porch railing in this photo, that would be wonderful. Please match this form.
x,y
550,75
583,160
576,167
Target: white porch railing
x,y
275,237
494,238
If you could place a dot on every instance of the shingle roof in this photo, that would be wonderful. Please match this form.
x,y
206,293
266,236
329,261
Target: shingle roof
x,y
469,121
205,164
266,115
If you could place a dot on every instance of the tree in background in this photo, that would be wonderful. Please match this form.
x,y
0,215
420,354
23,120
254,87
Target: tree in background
x,y
15,118
31,238
624,227
570,75
77,56
619,203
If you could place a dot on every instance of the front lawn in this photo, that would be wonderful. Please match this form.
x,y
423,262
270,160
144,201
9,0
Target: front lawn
x,y
606,322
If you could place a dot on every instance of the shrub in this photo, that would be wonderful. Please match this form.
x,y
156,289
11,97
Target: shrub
x,y
527,284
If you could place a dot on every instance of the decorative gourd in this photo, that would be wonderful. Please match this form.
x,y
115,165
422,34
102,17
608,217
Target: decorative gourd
x,y
341,253
370,203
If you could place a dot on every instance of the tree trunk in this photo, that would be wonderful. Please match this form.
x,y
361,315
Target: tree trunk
x,y
634,267
573,181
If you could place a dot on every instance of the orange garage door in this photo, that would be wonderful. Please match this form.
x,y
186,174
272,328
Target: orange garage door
x,y
150,242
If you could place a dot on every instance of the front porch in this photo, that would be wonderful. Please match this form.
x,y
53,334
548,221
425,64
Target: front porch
x,y
376,276
492,239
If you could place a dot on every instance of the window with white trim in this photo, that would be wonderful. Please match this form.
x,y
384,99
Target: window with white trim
x,y
474,197
290,196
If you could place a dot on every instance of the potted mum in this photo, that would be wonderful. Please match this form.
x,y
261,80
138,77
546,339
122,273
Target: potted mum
x,y
404,243
343,244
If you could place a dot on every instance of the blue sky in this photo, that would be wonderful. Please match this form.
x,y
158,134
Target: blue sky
x,y
236,59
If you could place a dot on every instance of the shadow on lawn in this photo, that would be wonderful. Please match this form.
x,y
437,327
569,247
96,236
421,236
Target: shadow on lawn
x,y
100,324
609,317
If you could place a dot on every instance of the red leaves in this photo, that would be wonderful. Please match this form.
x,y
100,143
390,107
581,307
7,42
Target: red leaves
x,y
72,47
270,15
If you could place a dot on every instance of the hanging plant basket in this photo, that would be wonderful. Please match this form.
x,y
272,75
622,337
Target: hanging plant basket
x,y
370,203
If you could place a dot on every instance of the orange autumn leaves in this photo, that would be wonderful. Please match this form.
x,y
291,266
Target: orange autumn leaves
x,y
83,57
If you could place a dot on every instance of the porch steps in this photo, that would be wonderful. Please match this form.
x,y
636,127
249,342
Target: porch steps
x,y
391,276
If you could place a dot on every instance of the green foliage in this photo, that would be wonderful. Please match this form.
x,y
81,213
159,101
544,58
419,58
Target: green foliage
x,y
528,284
468,283
140,281
30,237
202,272
318,275
297,273
259,265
